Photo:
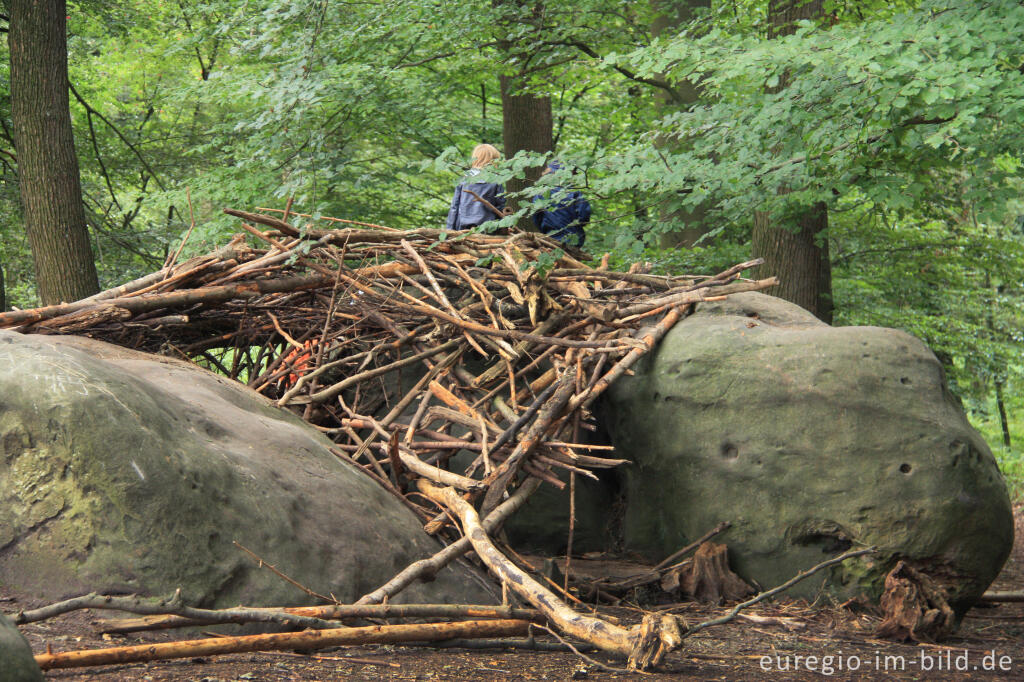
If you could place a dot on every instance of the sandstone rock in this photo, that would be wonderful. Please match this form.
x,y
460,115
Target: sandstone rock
x,y
16,661
122,471
809,439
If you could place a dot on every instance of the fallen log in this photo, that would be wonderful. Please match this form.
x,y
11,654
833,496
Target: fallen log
x,y
314,639
332,612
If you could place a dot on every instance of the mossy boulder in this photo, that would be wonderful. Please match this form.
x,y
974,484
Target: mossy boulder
x,y
127,472
16,661
810,439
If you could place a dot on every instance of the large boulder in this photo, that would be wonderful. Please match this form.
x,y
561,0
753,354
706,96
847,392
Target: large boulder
x,y
16,661
810,439
122,471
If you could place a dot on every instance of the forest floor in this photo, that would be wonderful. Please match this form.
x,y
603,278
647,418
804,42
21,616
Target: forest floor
x,y
830,641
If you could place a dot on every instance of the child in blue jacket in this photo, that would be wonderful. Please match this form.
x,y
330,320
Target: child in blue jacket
x,y
564,220
476,203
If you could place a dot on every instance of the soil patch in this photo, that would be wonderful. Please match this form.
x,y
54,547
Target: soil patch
x,y
829,640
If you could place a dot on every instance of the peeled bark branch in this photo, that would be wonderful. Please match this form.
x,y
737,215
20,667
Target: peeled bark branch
x,y
645,645
317,639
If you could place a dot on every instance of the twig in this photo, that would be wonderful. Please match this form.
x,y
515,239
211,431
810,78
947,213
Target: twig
x,y
776,590
275,571
720,528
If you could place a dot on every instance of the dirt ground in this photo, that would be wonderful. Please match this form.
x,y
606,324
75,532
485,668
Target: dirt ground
x,y
825,641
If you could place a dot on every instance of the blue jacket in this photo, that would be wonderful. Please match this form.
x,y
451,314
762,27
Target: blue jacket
x,y
466,211
565,220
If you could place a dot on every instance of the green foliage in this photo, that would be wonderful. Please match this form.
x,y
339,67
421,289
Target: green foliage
x,y
918,112
904,118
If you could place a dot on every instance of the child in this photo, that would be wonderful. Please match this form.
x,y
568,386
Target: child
x,y
476,203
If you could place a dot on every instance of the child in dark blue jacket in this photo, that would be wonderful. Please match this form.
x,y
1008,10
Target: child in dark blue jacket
x,y
565,219
476,203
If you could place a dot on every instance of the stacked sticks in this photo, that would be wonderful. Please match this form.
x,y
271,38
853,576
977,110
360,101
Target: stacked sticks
x,y
406,347
410,347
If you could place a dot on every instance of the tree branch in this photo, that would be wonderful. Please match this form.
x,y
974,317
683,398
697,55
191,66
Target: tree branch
x,y
124,139
590,52
781,588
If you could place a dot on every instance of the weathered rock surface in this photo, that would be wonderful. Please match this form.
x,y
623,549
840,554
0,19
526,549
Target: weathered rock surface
x,y
809,439
122,471
16,661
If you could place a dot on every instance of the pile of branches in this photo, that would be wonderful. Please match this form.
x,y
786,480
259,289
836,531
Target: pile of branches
x,y
407,347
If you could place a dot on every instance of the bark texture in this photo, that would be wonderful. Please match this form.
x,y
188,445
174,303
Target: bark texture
x,y
526,124
798,257
669,16
796,251
49,182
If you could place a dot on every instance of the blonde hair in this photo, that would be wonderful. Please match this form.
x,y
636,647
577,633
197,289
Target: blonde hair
x,y
484,155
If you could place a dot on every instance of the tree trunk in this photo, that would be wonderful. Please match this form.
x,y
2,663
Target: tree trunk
x,y
1001,406
526,125
670,15
51,193
800,259
797,254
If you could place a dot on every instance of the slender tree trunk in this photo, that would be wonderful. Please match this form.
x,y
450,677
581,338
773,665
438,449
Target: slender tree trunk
x,y
526,125
796,253
1003,421
670,15
51,193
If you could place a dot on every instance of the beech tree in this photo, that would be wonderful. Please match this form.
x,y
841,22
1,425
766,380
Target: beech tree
x,y
795,250
48,175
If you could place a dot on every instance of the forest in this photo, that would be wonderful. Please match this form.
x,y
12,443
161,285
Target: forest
x,y
869,151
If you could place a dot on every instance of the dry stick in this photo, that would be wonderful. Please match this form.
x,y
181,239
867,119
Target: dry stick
x,y
720,528
352,660
142,304
489,205
576,649
481,291
320,370
1003,597
322,346
520,348
192,226
430,566
727,275
333,220
165,621
411,395
577,416
696,296
334,389
353,236
365,452
415,421
172,275
273,242
433,473
604,635
776,590
551,410
273,569
173,608
649,340
423,309
316,639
